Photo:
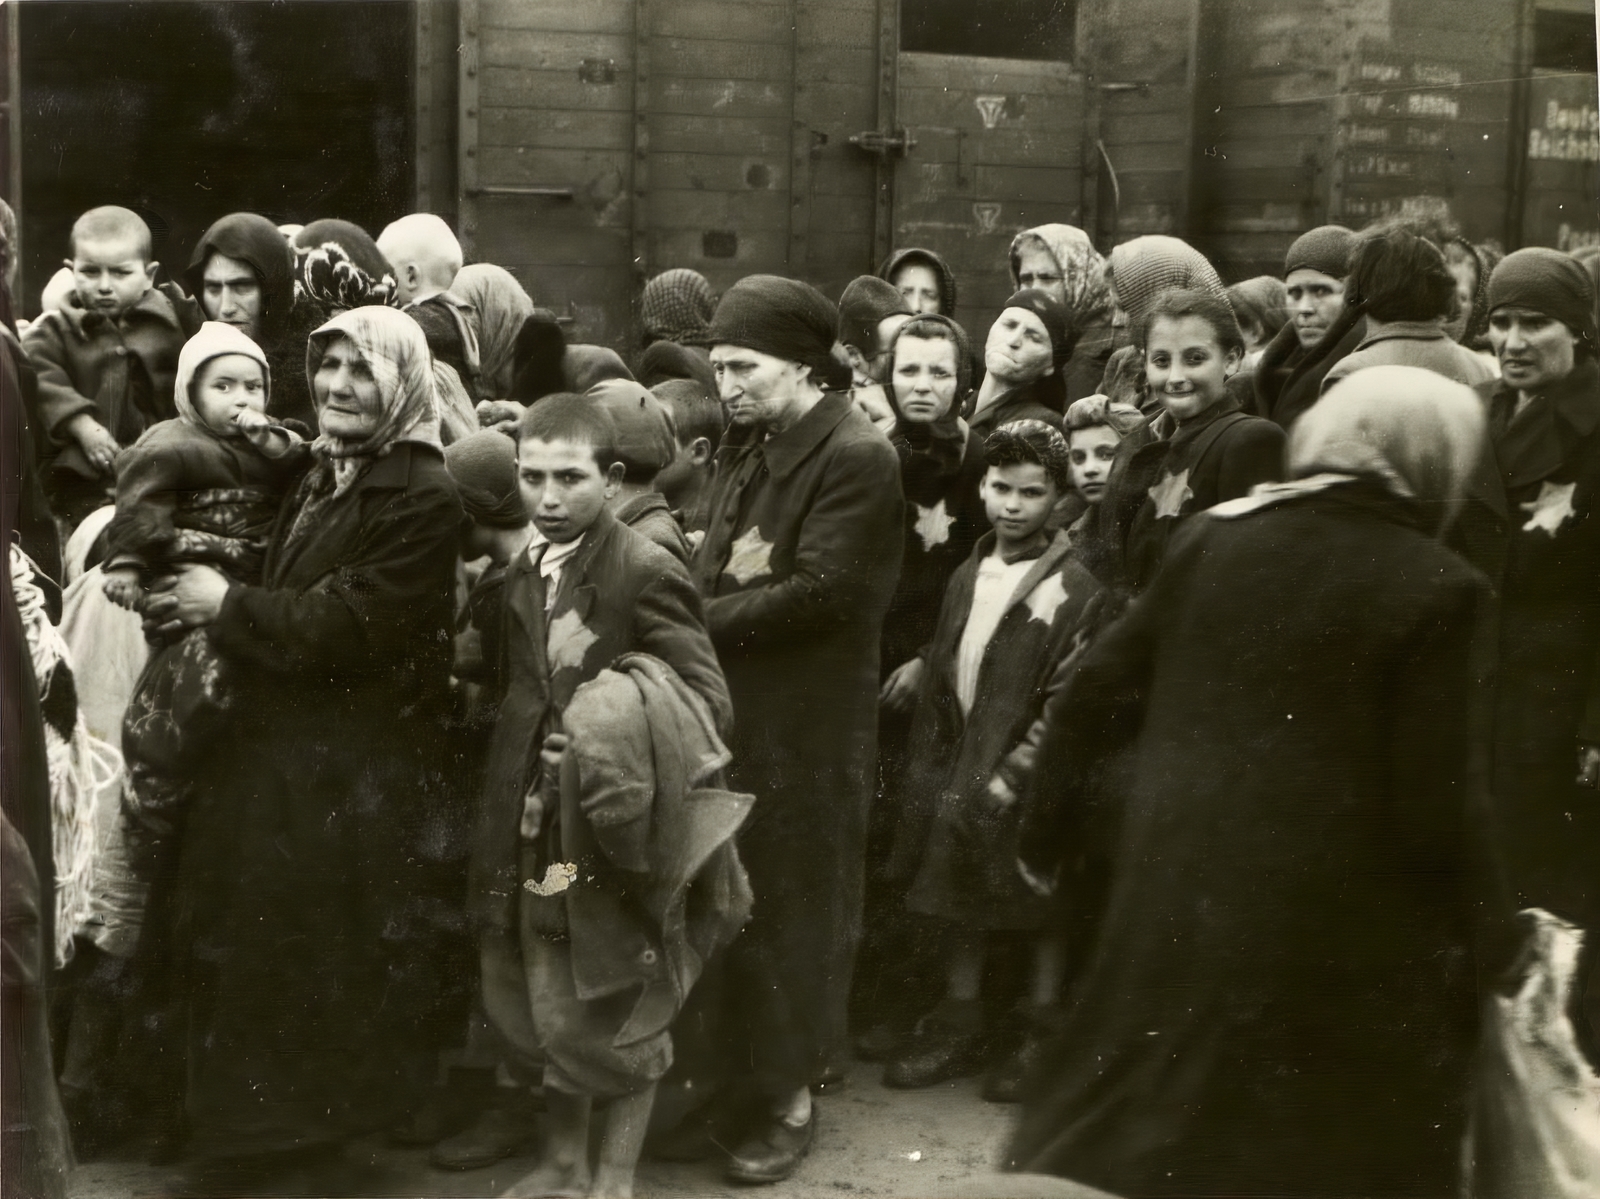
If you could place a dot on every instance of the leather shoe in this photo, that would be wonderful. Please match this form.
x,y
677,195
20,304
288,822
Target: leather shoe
x,y
1003,1084
772,1154
878,1043
938,1055
502,1130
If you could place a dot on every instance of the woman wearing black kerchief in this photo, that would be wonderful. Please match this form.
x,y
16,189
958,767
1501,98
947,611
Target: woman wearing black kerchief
x,y
242,273
1029,342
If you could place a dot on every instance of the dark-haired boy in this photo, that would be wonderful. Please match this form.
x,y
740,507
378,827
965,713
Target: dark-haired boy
x,y
106,363
686,480
647,443
587,591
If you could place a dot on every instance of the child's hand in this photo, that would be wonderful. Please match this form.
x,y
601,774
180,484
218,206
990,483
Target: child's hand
x,y
500,414
122,587
900,688
1000,794
98,446
256,427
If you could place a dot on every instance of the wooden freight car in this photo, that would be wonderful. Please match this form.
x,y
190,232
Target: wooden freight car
x,y
587,145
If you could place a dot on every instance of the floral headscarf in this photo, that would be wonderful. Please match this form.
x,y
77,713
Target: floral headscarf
x,y
1147,266
1082,268
338,266
500,305
397,354
213,340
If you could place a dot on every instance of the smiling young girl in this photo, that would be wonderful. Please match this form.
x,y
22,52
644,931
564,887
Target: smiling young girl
x,y
1206,449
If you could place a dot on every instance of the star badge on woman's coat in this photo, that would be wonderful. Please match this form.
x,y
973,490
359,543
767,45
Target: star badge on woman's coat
x,y
1552,509
1172,493
751,557
933,526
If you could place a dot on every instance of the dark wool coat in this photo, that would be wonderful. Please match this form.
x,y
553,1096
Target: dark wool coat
x,y
1156,485
799,563
122,374
1288,379
1032,401
959,856
1534,525
649,516
617,594
305,915
1281,1001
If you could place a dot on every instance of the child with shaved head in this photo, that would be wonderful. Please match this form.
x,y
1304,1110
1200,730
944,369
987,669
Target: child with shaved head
x,y
427,258
106,364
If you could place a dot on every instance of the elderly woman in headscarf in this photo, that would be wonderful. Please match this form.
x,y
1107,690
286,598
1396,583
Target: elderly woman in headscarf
x,y
1062,262
1137,274
1282,997
1535,528
242,273
500,306
300,921
1027,347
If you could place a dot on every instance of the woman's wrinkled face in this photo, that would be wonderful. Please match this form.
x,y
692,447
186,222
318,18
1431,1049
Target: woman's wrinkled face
x,y
1092,450
1185,364
924,378
1018,350
348,404
1038,268
1535,350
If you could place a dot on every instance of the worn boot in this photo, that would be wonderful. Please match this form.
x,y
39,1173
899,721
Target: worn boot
x,y
1004,1083
508,1125
950,1042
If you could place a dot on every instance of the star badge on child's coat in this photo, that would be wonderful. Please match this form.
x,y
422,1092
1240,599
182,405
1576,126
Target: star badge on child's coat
x,y
569,640
1171,493
1044,599
933,526
751,557
1551,510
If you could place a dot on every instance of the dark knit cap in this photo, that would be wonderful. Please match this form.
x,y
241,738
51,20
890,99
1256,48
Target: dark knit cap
x,y
782,317
866,300
1327,248
537,358
647,440
484,467
663,360
1057,321
1550,282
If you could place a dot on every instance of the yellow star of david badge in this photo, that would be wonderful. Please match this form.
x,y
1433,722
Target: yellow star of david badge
x,y
1551,510
1171,493
569,640
933,526
751,557
1044,599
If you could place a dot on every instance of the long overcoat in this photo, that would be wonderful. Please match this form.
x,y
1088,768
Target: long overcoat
x,y
306,908
798,565
1281,999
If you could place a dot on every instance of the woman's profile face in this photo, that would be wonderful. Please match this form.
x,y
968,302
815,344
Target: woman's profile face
x,y
348,404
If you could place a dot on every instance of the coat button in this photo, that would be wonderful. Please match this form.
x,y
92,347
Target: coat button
x,y
648,957
120,351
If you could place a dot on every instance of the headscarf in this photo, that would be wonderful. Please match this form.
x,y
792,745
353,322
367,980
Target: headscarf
x,y
1082,268
500,305
943,440
1057,322
677,306
1550,282
213,340
664,360
537,356
338,266
397,354
484,467
1415,431
1093,411
253,240
782,317
584,365
917,256
1147,266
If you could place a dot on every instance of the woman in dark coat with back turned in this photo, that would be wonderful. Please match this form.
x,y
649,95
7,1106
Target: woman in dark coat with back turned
x,y
1281,1001
302,912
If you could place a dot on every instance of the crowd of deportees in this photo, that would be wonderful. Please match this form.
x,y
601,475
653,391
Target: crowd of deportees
x,y
1182,710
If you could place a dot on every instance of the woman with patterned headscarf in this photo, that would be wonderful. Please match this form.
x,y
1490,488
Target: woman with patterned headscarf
x,y
501,305
338,266
302,928
1062,262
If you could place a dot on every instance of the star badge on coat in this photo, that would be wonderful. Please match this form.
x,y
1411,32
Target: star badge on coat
x,y
751,557
1172,493
1044,599
569,640
933,525
1551,510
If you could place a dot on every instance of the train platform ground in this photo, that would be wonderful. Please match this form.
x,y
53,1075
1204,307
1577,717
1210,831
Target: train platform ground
x,y
939,1143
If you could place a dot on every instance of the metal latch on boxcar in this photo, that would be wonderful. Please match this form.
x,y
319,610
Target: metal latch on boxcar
x,y
876,141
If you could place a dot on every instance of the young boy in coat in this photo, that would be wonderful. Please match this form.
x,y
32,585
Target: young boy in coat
x,y
585,592
1013,612
647,443
106,364
686,480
